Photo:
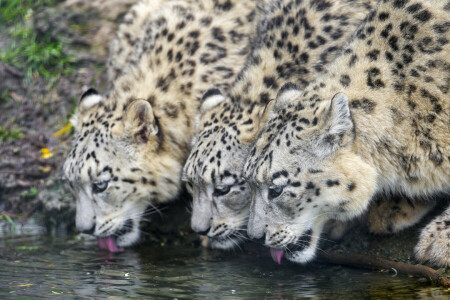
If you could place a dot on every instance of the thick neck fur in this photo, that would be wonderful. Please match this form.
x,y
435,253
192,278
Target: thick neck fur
x,y
172,78
395,73
288,52
183,49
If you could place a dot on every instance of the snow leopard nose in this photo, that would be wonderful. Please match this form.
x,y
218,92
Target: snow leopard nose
x,y
89,231
204,232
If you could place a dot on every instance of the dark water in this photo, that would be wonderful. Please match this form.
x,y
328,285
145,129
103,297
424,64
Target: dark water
x,y
61,267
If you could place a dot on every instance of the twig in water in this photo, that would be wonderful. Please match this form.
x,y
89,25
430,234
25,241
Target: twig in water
x,y
377,263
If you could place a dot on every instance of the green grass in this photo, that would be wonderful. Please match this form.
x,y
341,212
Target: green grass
x,y
5,97
30,194
37,55
7,217
12,10
10,135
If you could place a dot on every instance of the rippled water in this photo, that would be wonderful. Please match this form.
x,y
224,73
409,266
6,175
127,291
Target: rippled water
x,y
41,266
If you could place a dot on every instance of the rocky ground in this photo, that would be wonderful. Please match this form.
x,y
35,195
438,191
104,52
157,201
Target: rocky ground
x,y
34,108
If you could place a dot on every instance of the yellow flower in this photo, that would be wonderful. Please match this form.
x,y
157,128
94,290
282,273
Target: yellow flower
x,y
46,153
63,130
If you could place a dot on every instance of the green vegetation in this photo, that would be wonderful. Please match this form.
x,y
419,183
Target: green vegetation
x,y
5,97
37,55
10,135
4,216
30,194
11,10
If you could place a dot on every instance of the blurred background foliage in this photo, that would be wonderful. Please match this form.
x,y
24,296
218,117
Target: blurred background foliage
x,y
36,54
50,50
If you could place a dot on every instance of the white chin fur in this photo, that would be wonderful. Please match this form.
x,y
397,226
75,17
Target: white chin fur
x,y
304,256
227,244
128,239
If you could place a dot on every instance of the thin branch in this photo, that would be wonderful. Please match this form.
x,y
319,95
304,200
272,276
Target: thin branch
x,y
377,263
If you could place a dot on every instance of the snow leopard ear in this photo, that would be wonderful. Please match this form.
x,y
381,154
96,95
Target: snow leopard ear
x,y
286,94
337,112
337,122
264,113
139,122
210,99
88,99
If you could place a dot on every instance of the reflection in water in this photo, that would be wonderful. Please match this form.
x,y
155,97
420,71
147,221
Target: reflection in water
x,y
42,266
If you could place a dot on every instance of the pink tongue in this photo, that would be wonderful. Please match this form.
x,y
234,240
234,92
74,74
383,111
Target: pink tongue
x,y
108,243
101,243
277,254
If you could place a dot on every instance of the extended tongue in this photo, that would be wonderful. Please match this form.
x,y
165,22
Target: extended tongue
x,y
102,243
109,243
277,254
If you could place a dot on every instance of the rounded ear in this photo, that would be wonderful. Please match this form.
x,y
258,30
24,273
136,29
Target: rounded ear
x,y
139,121
337,123
286,94
249,136
264,113
211,98
338,115
88,99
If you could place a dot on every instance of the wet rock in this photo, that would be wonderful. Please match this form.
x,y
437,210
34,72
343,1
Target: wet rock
x,y
397,247
55,196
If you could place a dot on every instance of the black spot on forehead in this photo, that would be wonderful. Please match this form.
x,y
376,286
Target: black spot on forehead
x,y
331,182
441,28
414,8
373,54
387,29
383,16
400,3
423,16
351,186
270,82
365,104
373,78
345,80
310,185
128,180
352,60
393,43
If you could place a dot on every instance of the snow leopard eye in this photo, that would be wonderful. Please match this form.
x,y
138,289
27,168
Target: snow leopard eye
x,y
99,187
275,191
221,190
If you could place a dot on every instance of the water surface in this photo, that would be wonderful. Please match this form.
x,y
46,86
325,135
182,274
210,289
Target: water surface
x,y
43,266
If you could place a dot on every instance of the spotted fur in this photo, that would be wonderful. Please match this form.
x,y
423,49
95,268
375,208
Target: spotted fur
x,y
377,122
296,39
130,145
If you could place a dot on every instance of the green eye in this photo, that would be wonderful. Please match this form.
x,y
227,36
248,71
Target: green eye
x,y
275,191
99,187
221,190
